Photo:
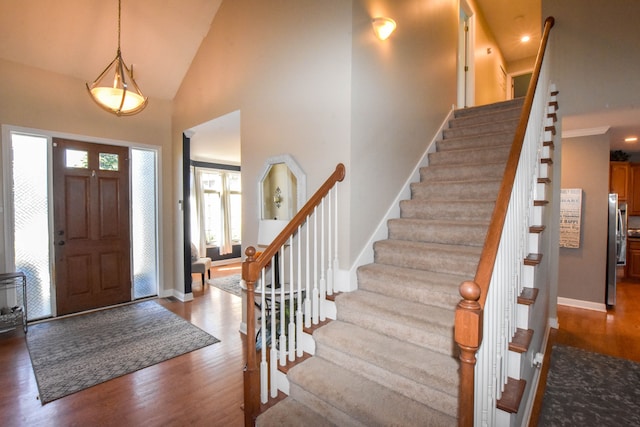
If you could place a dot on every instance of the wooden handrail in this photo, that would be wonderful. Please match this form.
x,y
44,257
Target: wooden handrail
x,y
469,312
251,268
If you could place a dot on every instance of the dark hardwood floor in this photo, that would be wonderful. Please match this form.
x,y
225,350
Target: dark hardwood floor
x,y
201,388
616,332
204,387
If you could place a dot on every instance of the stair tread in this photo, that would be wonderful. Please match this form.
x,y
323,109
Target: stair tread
x,y
437,257
512,395
379,405
291,413
425,326
521,340
438,231
422,286
382,353
528,296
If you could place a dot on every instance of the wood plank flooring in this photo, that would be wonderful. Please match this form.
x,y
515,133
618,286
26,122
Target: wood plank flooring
x,y
616,333
201,388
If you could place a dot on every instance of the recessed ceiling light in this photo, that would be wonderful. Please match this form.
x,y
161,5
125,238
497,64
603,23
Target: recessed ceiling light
x,y
525,39
631,139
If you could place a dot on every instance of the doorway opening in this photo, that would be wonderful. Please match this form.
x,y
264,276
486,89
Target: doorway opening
x,y
29,218
212,192
466,60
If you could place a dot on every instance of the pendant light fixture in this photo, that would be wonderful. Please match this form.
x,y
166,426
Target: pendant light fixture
x,y
115,90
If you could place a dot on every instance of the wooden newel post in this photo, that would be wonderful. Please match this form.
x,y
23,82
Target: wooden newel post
x,y
468,336
251,371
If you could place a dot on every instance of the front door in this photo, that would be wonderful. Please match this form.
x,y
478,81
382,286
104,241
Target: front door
x,y
91,225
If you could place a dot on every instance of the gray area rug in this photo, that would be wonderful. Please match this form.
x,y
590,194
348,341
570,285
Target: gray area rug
x,y
229,284
590,389
75,353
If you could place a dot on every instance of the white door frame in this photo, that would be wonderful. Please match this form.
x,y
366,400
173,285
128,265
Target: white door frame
x,y
466,44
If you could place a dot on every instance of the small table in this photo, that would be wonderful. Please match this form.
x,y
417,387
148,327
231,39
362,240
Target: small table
x,y
11,320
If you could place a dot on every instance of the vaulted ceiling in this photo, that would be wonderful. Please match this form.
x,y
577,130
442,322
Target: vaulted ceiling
x,y
78,38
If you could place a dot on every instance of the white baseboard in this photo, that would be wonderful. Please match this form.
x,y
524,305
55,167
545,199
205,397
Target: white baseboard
x,y
587,305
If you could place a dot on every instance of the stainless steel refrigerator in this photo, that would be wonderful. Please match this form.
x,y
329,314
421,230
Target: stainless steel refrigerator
x,y
616,244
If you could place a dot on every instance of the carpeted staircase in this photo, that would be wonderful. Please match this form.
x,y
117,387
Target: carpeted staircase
x,y
389,357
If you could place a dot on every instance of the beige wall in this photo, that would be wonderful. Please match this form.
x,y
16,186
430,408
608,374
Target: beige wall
x,y
401,91
41,100
490,67
595,70
314,82
286,67
582,271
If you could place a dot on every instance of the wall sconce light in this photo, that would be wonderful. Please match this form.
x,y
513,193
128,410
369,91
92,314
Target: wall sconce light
x,y
383,27
277,197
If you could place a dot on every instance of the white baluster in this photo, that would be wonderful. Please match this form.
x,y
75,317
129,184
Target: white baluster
x,y
299,303
292,325
323,282
264,366
273,353
315,298
307,294
330,246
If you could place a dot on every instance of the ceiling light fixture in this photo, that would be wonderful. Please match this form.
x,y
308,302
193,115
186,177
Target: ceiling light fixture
x,y
631,139
119,94
383,27
525,39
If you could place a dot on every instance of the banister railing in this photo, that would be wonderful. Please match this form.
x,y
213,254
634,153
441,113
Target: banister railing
x,y
318,266
472,315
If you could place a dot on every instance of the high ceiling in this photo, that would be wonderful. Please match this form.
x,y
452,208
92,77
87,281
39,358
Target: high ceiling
x,y
509,21
78,38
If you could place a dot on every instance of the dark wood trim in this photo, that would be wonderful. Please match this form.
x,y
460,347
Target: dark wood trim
x,y
222,166
186,211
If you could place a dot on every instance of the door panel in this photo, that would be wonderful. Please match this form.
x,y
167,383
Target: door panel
x,y
91,219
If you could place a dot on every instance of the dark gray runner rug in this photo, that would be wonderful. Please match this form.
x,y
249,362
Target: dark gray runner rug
x,y
75,353
590,389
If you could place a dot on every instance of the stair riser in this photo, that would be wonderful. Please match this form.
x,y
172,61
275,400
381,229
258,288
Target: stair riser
x,y
440,340
401,381
471,142
428,260
488,109
462,211
497,116
469,157
507,125
425,295
470,173
329,412
472,235
456,191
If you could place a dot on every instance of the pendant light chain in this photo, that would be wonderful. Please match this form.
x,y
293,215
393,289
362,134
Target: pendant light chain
x,y
119,13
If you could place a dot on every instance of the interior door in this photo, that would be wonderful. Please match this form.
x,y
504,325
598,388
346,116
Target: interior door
x,y
91,225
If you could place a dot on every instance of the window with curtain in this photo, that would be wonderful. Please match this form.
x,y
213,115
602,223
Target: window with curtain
x,y
217,210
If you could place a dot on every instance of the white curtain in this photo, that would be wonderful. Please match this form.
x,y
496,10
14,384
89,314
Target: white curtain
x,y
226,247
199,239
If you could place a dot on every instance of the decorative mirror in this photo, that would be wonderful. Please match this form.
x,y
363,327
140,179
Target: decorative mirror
x,y
281,188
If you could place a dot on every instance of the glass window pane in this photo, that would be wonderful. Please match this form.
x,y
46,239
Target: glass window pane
x,y
108,161
76,159
236,218
31,220
144,224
